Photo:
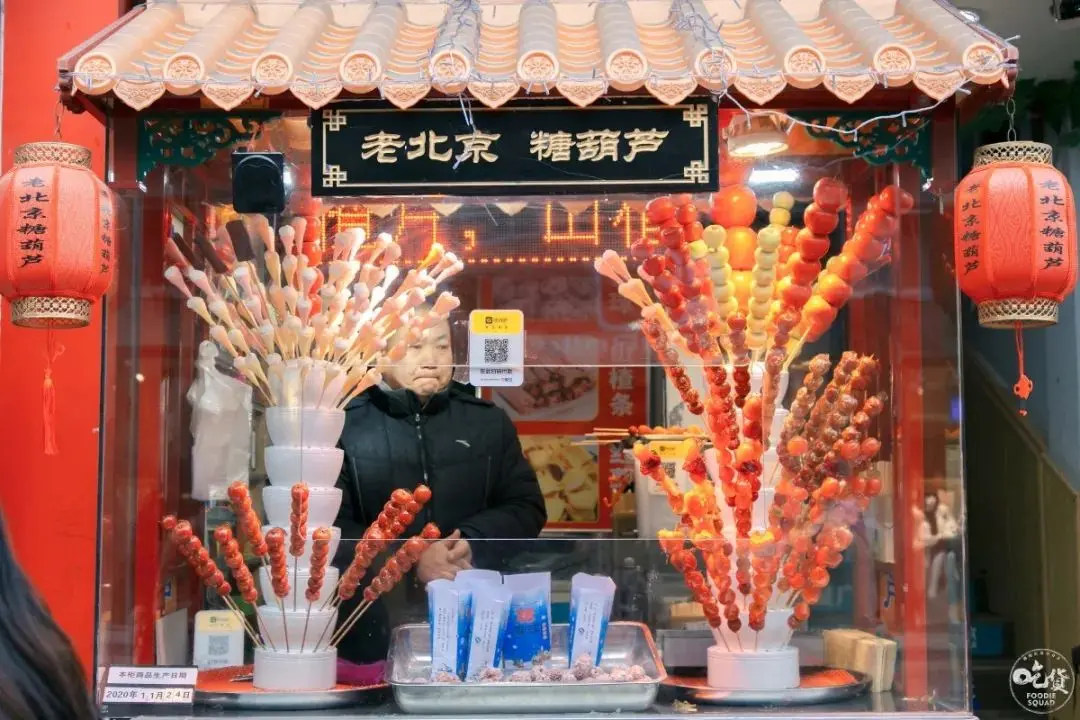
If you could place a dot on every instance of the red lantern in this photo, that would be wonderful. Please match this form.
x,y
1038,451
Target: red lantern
x,y
58,227
1015,239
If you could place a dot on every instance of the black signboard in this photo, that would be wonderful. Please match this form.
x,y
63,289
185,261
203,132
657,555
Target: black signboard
x,y
626,145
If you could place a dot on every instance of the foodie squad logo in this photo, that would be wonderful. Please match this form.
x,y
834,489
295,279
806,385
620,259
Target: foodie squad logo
x,y
1042,681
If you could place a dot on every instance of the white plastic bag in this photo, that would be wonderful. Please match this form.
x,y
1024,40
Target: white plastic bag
x,y
220,426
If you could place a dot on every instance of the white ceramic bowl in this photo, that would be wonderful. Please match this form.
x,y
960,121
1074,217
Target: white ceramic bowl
x,y
304,427
318,467
273,629
323,505
297,582
305,559
295,671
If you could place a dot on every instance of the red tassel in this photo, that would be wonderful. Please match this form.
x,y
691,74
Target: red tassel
x,y
48,395
1023,387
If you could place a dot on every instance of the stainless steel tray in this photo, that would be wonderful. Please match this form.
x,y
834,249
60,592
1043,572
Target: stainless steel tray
x,y
817,687
626,644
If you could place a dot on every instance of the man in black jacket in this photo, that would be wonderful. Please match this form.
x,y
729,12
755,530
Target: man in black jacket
x,y
423,428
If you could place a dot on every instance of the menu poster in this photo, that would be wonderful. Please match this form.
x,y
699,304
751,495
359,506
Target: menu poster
x,y
581,372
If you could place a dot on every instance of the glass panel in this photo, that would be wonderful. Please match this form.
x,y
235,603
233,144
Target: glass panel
x,y
587,456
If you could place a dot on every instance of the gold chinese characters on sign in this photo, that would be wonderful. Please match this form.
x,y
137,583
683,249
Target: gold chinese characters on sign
x,y
595,145
474,147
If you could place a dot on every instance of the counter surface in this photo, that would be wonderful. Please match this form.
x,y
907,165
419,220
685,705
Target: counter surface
x,y
868,707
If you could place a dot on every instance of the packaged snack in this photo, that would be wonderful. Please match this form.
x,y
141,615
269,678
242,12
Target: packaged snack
x,y
528,630
473,577
591,597
490,611
448,614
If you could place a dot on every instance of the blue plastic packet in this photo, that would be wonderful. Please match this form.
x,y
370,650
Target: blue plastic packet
x,y
527,641
490,612
449,606
591,598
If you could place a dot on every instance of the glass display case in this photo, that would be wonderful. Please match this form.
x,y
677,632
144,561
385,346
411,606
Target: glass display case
x,y
575,463
688,403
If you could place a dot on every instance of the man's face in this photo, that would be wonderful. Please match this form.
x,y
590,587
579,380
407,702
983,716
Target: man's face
x,y
428,365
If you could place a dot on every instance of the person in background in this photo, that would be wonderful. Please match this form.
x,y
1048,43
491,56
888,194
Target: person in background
x,y
40,676
421,427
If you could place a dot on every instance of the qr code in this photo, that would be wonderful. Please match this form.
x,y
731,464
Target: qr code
x,y
496,351
217,645
669,468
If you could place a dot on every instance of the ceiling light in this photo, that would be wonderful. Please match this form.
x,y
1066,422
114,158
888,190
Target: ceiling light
x,y
773,176
759,136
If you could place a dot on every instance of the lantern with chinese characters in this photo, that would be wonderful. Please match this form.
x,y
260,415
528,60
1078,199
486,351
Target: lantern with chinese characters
x,y
58,228
1015,235
1015,239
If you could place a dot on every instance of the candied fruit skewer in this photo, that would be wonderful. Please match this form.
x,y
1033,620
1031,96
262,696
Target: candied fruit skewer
x,y
392,572
298,516
320,556
650,465
245,583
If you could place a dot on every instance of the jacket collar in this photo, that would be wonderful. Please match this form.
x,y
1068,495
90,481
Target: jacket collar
x,y
403,403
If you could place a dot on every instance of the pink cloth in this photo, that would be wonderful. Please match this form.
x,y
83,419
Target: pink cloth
x,y
353,674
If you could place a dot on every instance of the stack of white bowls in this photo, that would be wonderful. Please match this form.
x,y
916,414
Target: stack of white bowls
x,y
303,450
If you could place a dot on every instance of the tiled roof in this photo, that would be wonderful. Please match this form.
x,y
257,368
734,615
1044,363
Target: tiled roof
x,y
232,50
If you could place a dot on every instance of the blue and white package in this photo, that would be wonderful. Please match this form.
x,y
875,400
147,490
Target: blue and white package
x,y
490,611
472,577
527,641
448,615
591,598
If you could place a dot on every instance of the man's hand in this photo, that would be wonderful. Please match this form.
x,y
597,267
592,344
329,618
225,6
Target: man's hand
x,y
444,558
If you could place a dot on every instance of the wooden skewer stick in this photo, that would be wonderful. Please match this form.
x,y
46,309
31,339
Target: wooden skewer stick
x,y
349,623
243,620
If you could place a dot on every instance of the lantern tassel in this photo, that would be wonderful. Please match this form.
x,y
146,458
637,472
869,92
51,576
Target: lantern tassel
x,y
1023,387
48,392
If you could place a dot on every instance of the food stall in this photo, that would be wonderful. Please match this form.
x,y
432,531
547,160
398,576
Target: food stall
x,y
694,251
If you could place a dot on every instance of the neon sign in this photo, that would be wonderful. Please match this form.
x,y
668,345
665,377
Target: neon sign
x,y
543,233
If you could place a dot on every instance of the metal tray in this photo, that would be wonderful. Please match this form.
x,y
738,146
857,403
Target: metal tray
x,y
818,685
626,644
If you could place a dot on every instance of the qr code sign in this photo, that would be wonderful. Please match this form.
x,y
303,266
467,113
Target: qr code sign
x,y
496,351
217,645
669,468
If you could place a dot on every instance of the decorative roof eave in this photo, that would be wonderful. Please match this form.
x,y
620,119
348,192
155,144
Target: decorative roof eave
x,y
399,51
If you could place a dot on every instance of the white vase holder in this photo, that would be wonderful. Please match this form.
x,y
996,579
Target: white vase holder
x,y
304,427
323,505
752,671
305,450
316,467
296,671
298,587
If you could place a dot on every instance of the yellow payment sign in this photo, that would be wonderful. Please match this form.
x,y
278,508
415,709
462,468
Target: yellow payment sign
x,y
496,348
497,322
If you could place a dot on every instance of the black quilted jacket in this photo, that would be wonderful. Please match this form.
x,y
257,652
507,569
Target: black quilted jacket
x,y
466,450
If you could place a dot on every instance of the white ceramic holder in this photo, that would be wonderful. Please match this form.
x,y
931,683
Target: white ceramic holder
x,y
756,671
273,629
297,589
323,505
293,672
317,467
304,427
304,450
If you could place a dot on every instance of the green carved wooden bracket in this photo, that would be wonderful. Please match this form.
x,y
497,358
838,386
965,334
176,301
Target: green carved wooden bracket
x,y
190,139
881,142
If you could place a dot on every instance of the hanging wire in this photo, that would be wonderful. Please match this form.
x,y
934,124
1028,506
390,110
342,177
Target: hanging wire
x,y
1010,110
